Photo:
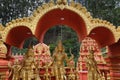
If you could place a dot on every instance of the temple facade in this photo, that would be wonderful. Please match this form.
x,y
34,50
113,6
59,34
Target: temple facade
x,y
100,32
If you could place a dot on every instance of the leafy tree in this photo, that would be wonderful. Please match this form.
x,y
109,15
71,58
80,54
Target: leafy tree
x,y
12,9
105,9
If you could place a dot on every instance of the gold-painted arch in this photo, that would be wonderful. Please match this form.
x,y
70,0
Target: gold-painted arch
x,y
1,27
15,23
42,10
32,21
103,23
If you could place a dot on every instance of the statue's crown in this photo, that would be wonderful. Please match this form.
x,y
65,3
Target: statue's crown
x,y
30,51
60,46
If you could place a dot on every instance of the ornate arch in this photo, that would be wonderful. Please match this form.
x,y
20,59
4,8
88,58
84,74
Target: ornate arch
x,y
17,35
15,23
102,35
98,23
32,21
73,7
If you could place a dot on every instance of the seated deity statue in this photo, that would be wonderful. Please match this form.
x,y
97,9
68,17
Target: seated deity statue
x,y
59,56
29,70
15,70
93,71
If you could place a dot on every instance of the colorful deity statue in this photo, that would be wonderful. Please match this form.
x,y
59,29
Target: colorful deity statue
x,y
59,56
42,54
29,70
15,70
93,71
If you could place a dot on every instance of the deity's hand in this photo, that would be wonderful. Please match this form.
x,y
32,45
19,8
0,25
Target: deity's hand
x,y
10,72
9,64
71,58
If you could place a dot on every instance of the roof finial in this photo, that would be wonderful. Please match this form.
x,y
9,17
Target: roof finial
x,y
62,2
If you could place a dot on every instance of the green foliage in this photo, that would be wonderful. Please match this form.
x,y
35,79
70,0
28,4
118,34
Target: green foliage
x,y
15,50
12,9
104,53
30,42
105,9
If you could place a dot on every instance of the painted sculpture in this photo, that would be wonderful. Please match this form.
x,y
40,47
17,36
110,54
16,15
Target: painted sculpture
x,y
59,56
93,71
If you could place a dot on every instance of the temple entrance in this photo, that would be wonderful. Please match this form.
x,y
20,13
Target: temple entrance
x,y
89,31
67,35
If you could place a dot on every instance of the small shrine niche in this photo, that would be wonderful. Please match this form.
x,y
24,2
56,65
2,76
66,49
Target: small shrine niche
x,y
89,44
42,54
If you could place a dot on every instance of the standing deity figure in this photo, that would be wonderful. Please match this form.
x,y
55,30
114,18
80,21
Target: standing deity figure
x,y
3,49
15,70
59,56
29,70
61,1
93,71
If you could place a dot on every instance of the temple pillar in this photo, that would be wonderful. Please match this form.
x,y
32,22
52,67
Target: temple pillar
x,y
114,61
114,66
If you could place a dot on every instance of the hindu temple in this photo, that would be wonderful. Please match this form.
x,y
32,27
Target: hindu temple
x,y
37,63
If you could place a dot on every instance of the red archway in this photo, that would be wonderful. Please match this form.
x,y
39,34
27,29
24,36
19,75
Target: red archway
x,y
17,35
103,36
61,17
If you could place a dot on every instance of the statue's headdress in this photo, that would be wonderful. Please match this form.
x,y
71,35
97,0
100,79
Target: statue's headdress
x,y
60,45
30,51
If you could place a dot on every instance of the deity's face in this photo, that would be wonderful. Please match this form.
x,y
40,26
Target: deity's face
x,y
92,51
60,49
30,52
16,62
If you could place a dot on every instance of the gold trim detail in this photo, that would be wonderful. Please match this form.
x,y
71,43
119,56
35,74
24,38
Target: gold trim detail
x,y
32,21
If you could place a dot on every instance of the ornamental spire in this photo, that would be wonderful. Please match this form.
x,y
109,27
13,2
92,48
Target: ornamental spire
x,y
62,2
